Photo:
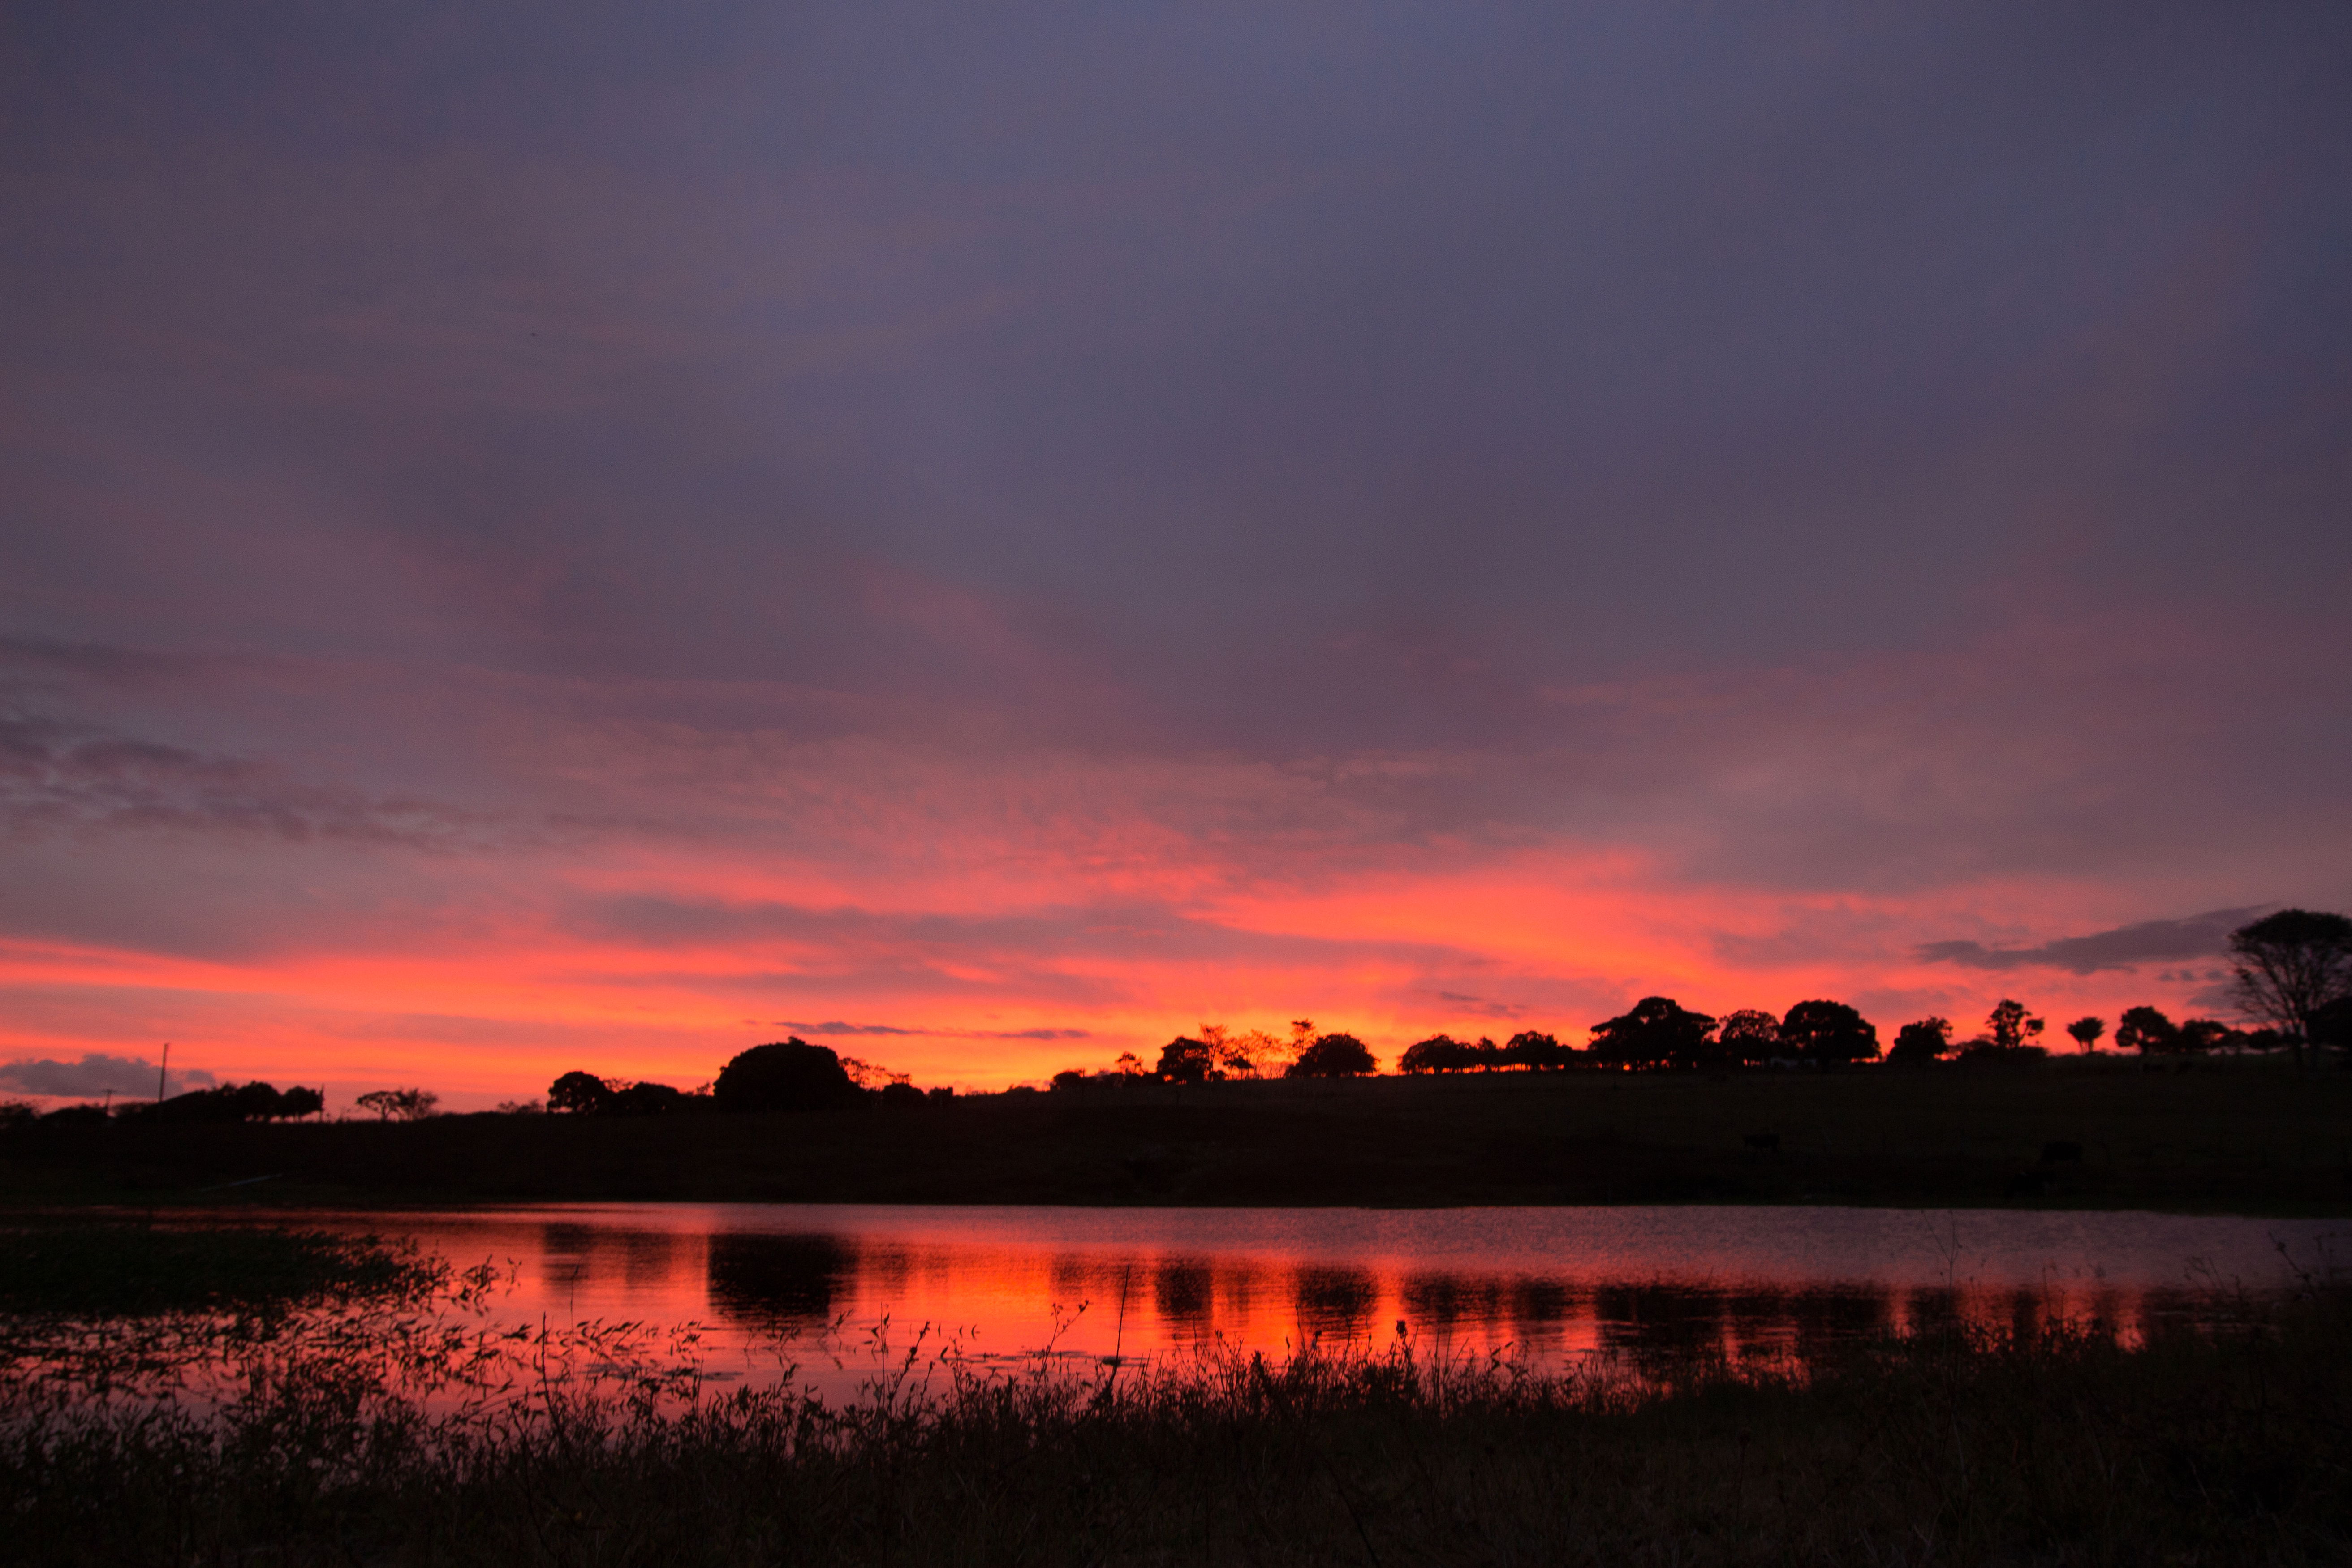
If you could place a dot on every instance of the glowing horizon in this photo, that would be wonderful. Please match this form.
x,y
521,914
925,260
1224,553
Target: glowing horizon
x,y
527,548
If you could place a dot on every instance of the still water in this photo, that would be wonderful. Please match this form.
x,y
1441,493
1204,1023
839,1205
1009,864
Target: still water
x,y
837,1292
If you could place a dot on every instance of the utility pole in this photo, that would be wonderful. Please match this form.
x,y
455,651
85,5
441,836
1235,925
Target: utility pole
x,y
161,1070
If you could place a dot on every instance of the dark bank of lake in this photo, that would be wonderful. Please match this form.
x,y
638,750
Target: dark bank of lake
x,y
2211,1137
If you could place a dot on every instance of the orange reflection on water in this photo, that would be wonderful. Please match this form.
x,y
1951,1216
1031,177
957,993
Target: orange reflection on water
x,y
827,1288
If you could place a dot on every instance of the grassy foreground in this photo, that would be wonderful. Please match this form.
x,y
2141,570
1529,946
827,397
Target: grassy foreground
x,y
2219,1136
2056,1447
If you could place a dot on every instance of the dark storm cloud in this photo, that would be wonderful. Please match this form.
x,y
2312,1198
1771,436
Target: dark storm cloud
x,y
2126,947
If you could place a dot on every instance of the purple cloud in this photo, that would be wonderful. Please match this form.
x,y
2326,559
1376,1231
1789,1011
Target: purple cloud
x,y
2126,947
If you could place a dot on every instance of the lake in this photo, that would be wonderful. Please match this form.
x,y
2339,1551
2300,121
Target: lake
x,y
834,1292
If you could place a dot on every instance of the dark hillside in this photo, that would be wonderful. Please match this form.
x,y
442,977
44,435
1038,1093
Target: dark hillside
x,y
2215,1136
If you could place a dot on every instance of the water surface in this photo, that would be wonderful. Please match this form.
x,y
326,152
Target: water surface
x,y
835,1292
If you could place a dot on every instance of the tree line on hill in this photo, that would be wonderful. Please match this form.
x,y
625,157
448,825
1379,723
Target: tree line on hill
x,y
254,1101
784,1075
2292,970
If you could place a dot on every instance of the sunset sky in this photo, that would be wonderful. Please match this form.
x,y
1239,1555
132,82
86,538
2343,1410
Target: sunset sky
x,y
585,536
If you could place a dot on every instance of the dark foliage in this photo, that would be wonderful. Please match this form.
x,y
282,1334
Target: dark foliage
x,y
1332,1056
789,1075
2291,968
1656,1032
578,1093
649,1100
2010,1027
1828,1034
255,1101
1748,1037
1924,1041
1187,1060
2147,1031
1439,1053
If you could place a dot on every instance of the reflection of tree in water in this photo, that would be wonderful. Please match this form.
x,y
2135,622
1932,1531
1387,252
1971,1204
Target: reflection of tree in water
x,y
776,1280
1758,1317
1181,1289
565,1251
648,1255
1836,1314
1656,1317
1442,1301
1540,1301
1337,1302
2024,1312
1935,1311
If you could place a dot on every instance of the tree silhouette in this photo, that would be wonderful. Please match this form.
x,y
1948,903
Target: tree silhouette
x,y
399,1104
1829,1034
1924,1041
1331,1056
2290,968
1536,1052
2009,1028
787,1074
1439,1053
645,1099
1186,1060
1749,1038
2199,1034
2087,1031
2147,1031
1656,1031
578,1092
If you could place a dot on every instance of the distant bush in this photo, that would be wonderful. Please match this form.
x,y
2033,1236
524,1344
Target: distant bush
x,y
1186,1060
2147,1031
1748,1038
647,1099
1828,1034
1332,1056
1439,1053
1924,1041
1983,1051
577,1093
1654,1032
788,1074
1537,1052
255,1101
399,1104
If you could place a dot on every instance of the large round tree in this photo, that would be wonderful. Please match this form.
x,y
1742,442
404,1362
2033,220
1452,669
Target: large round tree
x,y
789,1075
1332,1056
1657,1031
1829,1034
2291,967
